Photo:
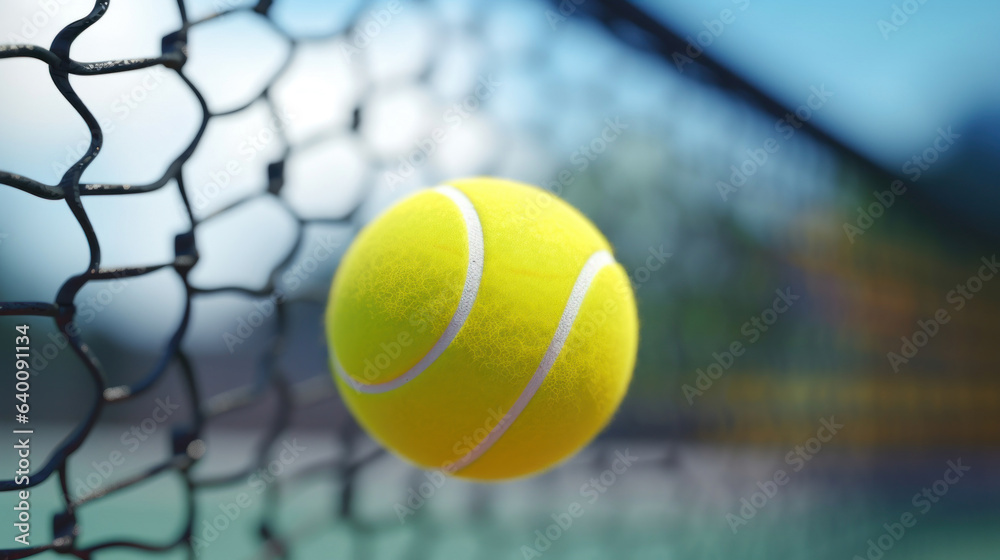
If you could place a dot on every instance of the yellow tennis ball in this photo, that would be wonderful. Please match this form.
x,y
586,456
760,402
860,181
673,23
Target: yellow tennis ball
x,y
482,328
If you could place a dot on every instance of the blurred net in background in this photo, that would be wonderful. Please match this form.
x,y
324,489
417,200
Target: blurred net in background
x,y
218,166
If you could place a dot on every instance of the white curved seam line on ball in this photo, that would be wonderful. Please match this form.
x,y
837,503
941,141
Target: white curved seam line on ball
x,y
473,277
594,264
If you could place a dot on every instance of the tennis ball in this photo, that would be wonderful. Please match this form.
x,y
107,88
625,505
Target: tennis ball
x,y
482,328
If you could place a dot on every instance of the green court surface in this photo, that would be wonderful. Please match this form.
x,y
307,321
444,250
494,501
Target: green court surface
x,y
663,502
